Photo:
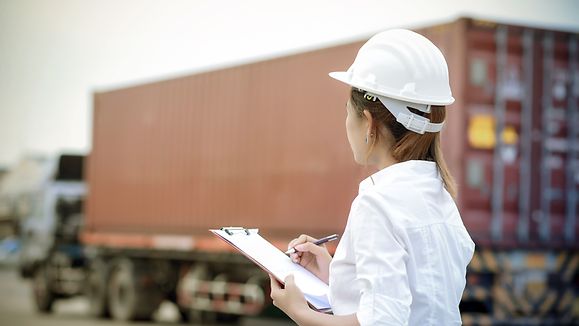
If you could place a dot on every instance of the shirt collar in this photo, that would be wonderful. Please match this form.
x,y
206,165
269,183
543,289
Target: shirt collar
x,y
404,170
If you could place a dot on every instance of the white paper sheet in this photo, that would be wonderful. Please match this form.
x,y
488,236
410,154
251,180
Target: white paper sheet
x,y
279,264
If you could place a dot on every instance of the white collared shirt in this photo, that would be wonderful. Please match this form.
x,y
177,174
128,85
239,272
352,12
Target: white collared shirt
x,y
403,255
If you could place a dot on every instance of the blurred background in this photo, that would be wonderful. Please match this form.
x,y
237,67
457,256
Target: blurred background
x,y
129,128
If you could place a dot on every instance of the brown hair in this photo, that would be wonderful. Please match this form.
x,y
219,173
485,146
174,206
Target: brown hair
x,y
408,145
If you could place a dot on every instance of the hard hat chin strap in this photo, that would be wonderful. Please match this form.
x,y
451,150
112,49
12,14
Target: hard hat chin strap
x,y
411,121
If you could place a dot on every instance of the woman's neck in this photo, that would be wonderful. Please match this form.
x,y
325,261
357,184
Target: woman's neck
x,y
386,164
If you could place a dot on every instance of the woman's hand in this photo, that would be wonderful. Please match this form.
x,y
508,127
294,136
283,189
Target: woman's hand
x,y
314,258
290,298
291,301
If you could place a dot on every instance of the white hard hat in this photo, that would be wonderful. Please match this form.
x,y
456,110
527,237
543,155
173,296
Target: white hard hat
x,y
402,68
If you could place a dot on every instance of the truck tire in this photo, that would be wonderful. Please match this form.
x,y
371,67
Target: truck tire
x,y
131,293
43,295
97,279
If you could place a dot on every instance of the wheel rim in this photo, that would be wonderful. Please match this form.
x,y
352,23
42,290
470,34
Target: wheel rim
x,y
121,297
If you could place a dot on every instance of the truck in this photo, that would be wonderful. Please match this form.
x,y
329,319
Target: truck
x,y
49,193
263,145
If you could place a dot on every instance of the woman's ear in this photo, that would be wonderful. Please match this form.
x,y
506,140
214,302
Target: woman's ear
x,y
370,120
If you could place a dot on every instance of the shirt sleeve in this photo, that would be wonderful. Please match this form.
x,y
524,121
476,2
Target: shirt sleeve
x,y
381,259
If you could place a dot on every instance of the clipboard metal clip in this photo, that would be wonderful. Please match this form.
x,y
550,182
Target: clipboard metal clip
x,y
231,230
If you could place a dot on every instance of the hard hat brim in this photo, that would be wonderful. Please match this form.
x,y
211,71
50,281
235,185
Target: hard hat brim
x,y
345,77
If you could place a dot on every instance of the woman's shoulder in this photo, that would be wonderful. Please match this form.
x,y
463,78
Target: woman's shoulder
x,y
378,207
401,203
394,193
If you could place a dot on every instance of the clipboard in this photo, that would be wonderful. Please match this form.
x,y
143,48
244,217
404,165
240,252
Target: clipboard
x,y
273,261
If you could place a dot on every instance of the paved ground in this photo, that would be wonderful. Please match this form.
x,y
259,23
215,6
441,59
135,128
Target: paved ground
x,y
17,309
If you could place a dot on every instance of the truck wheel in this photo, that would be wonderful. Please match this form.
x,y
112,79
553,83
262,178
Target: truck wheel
x,y
97,288
43,295
131,293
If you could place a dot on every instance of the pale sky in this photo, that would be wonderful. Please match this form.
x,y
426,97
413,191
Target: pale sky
x,y
54,54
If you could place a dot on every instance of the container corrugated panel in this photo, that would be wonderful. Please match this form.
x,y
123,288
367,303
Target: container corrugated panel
x,y
511,139
260,145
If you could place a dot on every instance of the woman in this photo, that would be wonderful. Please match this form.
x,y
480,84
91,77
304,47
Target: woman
x,y
402,257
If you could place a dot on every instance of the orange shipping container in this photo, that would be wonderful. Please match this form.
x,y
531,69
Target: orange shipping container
x,y
260,145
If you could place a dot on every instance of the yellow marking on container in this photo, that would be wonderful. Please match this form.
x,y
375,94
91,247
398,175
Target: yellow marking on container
x,y
467,319
475,264
502,301
490,261
571,268
536,260
548,303
536,289
566,301
481,293
510,135
560,260
481,132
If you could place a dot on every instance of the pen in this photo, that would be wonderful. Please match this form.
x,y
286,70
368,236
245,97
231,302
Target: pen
x,y
317,243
